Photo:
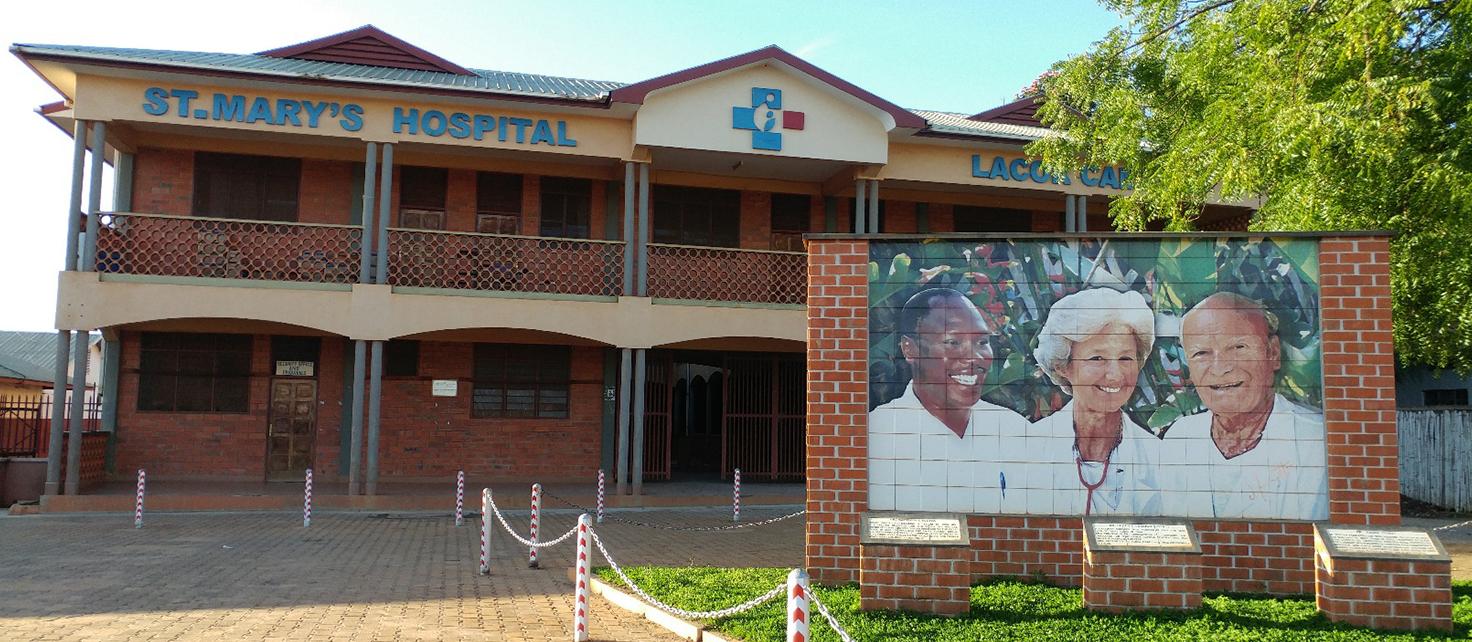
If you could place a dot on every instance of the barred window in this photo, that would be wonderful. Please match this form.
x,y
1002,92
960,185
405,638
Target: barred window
x,y
185,372
567,205
521,381
497,203
790,213
259,188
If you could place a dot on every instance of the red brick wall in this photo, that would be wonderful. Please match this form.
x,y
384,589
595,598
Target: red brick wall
x,y
925,579
326,192
460,201
1116,581
756,220
899,217
163,181
1273,557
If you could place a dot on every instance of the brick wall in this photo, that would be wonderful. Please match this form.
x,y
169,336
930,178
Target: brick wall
x,y
925,579
1273,557
163,181
756,220
326,192
1116,581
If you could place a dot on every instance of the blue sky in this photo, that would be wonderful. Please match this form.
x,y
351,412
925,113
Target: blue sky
x,y
949,56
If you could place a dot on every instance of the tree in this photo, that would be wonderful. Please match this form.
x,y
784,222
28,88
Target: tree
x,y
1328,114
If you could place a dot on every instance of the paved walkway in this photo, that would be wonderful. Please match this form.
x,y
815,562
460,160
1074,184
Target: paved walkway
x,y
351,576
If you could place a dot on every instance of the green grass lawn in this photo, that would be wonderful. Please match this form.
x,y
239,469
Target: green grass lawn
x,y
1005,610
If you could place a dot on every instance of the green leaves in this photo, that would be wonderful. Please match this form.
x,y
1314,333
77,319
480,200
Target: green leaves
x,y
1337,114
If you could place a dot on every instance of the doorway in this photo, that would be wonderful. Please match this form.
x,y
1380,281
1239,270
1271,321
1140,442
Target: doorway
x,y
292,427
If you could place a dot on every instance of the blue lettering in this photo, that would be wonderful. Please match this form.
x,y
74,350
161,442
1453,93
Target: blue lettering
x,y
484,124
404,121
460,125
1107,178
976,167
314,112
999,168
1124,179
288,110
260,109
184,96
155,101
501,136
1036,173
542,133
352,117
1086,179
229,107
562,139
434,122
521,125
1018,169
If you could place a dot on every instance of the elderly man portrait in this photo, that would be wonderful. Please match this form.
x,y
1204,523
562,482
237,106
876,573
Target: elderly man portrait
x,y
1265,454
928,448
1093,345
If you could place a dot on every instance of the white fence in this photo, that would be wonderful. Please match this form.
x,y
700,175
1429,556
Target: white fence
x,y
1436,456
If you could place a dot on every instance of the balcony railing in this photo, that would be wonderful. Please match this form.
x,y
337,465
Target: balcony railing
x,y
504,263
159,245
727,274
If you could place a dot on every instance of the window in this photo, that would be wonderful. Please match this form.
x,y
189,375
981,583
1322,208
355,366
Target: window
x,y
422,197
179,372
566,206
521,381
401,358
497,203
260,188
790,214
991,219
1445,397
697,216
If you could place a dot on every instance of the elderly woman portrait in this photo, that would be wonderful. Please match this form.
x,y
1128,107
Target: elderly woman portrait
x,y
1092,346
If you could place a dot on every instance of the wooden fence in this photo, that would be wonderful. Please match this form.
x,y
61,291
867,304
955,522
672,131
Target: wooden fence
x,y
1436,456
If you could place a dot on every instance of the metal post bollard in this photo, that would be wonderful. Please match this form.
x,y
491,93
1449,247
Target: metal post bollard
x,y
460,498
600,495
736,497
485,531
531,558
307,501
138,508
797,606
581,589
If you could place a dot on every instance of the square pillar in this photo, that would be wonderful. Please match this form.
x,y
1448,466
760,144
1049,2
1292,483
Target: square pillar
x,y
1383,577
1140,565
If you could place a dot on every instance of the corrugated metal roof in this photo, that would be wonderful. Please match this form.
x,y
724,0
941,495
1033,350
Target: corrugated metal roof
x,y
31,355
485,80
501,82
952,123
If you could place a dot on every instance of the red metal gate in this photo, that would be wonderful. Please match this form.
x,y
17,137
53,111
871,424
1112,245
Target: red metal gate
x,y
763,427
659,368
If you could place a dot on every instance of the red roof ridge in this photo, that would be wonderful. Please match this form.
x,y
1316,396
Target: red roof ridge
x,y
356,46
637,92
1022,111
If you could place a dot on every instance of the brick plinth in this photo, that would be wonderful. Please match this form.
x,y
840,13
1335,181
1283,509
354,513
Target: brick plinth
x,y
925,579
1399,594
1116,581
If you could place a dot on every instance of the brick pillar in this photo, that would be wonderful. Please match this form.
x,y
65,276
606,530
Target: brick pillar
x,y
1359,380
837,411
1383,592
924,579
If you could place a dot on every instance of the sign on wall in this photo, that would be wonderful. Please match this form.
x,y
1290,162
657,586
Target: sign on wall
x,y
1172,377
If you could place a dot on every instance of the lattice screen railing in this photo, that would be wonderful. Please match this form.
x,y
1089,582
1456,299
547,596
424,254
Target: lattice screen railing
x,y
727,274
159,245
505,263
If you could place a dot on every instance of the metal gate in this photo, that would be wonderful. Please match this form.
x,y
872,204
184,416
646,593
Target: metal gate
x,y
763,427
659,369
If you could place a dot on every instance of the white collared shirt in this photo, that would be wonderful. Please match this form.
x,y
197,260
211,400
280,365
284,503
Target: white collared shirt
x,y
1130,484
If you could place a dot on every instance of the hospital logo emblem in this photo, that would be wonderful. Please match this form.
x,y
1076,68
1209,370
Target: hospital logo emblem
x,y
762,117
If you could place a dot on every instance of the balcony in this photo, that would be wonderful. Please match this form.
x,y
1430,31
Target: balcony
x,y
435,262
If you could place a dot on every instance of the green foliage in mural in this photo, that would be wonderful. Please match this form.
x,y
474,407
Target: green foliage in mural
x,y
1013,283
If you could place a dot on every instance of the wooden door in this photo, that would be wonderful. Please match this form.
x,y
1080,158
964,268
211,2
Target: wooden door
x,y
292,425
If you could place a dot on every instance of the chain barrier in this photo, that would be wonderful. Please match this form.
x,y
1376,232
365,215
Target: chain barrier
x,y
676,611
832,621
704,529
1453,526
526,542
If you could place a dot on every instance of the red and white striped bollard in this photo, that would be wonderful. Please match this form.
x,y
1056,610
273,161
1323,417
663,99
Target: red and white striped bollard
x,y
736,497
600,495
797,606
485,531
459,498
580,591
531,558
307,501
138,508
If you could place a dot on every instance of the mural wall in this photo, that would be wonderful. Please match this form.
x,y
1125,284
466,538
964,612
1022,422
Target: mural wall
x,y
1170,377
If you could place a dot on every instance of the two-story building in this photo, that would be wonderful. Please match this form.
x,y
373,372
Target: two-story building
x,y
356,256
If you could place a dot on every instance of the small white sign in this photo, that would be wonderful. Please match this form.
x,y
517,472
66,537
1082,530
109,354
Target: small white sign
x,y
1357,541
1141,535
445,387
294,368
909,528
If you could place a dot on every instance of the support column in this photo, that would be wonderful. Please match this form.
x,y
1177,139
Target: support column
x,y
874,208
355,442
1083,213
640,376
385,209
87,262
122,182
360,347
112,363
625,394
643,225
861,215
63,337
1070,214
630,240
375,400
365,245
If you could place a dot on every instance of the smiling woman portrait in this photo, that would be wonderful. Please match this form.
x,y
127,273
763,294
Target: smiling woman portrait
x,y
1092,345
